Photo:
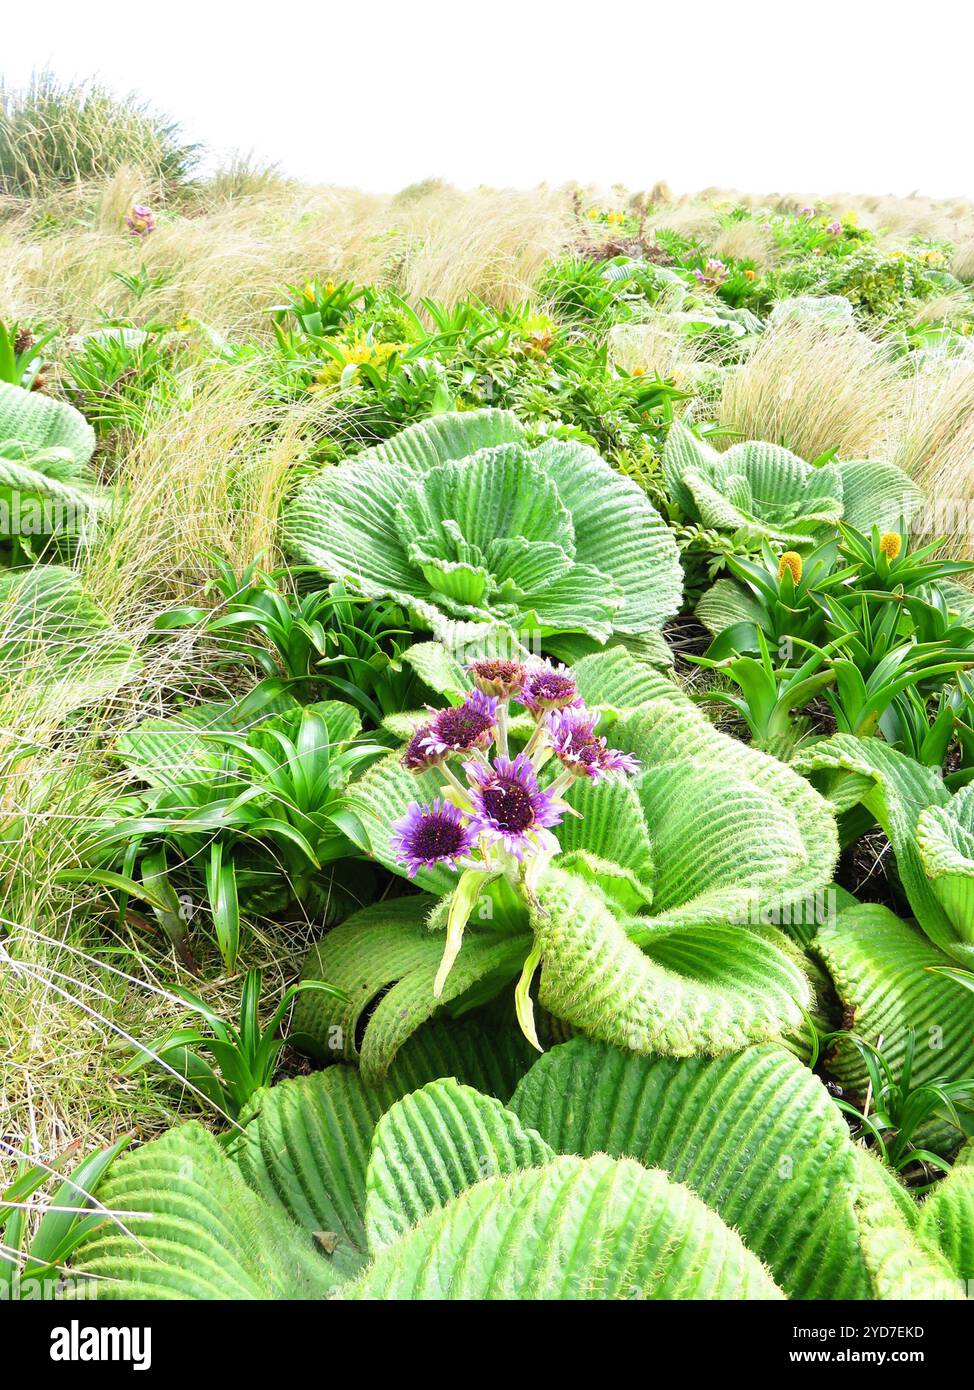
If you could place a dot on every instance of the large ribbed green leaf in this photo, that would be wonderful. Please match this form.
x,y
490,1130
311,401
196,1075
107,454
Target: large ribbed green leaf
x,y
44,492
190,1227
755,490
897,791
755,1135
549,540
433,1145
947,1217
737,836
596,1228
39,421
617,534
440,438
306,1142
613,677
385,959
55,641
876,493
881,968
683,989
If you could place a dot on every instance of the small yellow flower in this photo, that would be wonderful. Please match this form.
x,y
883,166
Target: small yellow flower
x,y
790,563
750,275
639,371
890,544
329,287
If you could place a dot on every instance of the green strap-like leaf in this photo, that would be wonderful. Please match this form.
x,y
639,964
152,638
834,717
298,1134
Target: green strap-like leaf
x,y
895,789
596,1228
433,1145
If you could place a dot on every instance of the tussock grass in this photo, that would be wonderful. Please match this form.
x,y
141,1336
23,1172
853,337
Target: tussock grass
x,y
226,257
54,133
814,387
745,241
937,449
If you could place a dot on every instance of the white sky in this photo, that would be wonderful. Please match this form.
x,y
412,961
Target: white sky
x,y
856,96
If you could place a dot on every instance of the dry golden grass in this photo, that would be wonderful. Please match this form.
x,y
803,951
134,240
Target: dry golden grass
x,y
655,347
225,259
745,241
937,449
814,387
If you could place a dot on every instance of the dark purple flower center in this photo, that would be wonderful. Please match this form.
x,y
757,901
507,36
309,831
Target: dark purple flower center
x,y
462,727
509,804
436,836
549,689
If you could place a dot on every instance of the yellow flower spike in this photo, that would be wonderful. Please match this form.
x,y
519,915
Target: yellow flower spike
x,y
750,275
790,563
329,287
890,545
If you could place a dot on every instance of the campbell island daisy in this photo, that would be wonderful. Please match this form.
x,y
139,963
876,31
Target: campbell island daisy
x,y
431,834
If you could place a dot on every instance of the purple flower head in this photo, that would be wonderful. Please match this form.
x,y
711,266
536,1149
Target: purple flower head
x,y
834,228
416,756
549,687
581,751
806,212
509,806
461,728
140,220
499,678
428,835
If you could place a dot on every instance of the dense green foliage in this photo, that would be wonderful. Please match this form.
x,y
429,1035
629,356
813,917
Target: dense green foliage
x,y
753,1078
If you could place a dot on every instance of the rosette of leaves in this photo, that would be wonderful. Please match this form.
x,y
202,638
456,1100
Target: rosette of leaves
x,y
595,1174
462,522
255,800
653,929
759,491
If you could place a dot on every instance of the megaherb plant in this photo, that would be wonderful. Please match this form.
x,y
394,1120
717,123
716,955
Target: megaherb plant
x,y
759,491
466,526
643,901
576,1178
48,493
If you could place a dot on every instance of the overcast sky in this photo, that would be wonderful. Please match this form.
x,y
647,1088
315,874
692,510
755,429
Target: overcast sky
x,y
863,96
